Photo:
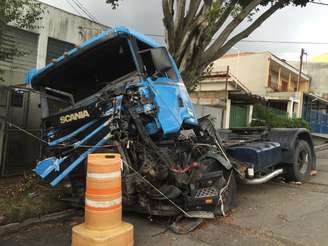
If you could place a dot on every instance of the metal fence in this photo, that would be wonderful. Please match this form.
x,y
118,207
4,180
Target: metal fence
x,y
318,121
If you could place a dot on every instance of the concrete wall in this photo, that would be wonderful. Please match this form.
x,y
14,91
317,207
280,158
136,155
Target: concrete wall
x,y
215,112
252,69
56,24
61,25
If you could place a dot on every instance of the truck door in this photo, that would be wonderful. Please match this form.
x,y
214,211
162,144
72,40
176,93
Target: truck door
x,y
175,107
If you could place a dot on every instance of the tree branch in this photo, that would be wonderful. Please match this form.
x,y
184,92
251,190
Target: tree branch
x,y
224,35
188,35
192,10
179,21
168,13
247,31
179,15
225,14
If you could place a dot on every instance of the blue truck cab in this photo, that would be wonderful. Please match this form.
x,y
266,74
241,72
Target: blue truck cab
x,y
158,74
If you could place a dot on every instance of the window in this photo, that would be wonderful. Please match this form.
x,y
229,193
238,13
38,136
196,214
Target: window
x,y
17,99
149,67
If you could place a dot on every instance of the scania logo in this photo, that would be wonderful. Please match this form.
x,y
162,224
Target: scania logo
x,y
72,117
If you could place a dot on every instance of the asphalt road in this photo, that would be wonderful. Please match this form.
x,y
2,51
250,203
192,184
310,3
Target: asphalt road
x,y
272,214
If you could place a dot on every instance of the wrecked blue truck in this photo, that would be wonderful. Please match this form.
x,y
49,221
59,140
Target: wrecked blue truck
x,y
122,92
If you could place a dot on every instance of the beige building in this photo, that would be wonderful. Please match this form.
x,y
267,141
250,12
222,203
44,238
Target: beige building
x,y
231,98
267,75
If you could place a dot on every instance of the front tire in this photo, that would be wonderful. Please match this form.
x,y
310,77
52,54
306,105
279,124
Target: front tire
x,y
300,170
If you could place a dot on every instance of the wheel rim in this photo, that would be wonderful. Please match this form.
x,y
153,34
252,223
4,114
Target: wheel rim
x,y
303,161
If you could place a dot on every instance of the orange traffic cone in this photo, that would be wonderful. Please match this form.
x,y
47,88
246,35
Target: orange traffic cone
x,y
103,205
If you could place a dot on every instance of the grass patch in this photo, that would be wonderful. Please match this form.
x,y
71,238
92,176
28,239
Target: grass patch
x,y
27,198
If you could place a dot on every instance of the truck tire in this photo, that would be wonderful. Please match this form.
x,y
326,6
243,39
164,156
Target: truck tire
x,y
229,197
299,171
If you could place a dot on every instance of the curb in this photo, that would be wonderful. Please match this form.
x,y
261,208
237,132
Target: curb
x,y
321,147
13,227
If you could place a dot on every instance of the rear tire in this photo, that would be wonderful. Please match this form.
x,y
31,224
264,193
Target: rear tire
x,y
300,170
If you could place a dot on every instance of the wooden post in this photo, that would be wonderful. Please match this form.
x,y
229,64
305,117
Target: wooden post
x,y
300,71
289,81
226,84
279,78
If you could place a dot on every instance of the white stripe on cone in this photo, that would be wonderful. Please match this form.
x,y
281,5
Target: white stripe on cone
x,y
110,175
104,204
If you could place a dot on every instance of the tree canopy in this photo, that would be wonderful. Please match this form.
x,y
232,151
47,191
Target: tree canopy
x,y
198,32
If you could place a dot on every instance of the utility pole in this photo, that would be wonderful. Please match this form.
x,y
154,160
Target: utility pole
x,y
225,112
226,84
300,71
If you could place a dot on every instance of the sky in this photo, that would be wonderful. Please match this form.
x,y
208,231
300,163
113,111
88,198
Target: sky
x,y
308,24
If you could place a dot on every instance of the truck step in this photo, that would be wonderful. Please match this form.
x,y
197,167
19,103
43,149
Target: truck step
x,y
207,192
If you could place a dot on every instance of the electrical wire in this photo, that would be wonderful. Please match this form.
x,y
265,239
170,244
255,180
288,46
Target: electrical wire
x,y
10,124
263,41
81,7
74,8
319,3
260,41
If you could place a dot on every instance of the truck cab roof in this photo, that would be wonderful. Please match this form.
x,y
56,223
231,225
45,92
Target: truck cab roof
x,y
91,62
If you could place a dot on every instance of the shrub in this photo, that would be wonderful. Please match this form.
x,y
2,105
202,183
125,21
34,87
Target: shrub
x,y
273,118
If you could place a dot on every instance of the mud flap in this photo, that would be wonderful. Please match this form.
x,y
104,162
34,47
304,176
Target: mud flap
x,y
183,225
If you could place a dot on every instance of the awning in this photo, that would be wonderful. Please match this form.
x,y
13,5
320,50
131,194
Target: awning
x,y
243,97
317,98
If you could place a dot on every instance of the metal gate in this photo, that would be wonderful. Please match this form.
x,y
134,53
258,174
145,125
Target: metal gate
x,y
238,116
318,121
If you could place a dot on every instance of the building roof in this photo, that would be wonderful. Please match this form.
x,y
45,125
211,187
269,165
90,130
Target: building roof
x,y
273,57
316,97
323,58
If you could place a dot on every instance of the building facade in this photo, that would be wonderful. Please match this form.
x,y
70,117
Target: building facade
x,y
231,99
315,103
267,75
59,32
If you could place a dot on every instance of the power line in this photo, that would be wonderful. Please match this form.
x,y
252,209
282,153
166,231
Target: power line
x,y
84,10
74,8
283,42
89,13
320,3
81,7
262,41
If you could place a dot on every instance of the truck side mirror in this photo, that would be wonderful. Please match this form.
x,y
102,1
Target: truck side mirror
x,y
161,59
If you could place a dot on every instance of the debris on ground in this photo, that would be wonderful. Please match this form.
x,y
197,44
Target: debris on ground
x,y
24,197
